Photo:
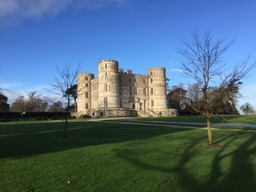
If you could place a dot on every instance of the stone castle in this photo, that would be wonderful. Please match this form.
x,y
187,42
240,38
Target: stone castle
x,y
116,93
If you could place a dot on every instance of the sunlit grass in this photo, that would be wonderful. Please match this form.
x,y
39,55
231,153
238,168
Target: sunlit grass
x,y
250,119
102,156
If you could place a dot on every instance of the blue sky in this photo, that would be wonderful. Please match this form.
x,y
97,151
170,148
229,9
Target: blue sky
x,y
37,35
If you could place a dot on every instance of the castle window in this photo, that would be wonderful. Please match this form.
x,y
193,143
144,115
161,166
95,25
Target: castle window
x,y
130,80
144,80
106,86
120,79
106,74
86,105
152,103
135,90
151,73
152,91
86,94
151,80
86,84
106,66
144,91
86,78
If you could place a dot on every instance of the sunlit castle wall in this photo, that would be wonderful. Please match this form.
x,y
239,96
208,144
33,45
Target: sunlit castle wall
x,y
157,88
108,84
84,92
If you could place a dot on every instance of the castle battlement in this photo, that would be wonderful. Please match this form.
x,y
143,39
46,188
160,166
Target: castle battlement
x,y
107,60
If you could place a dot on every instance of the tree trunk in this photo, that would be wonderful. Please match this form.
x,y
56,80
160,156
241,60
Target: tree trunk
x,y
209,130
75,104
66,121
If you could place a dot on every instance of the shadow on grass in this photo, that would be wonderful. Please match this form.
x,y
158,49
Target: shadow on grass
x,y
201,168
28,139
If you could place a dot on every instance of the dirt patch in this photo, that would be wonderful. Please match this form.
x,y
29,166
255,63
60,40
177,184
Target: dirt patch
x,y
214,146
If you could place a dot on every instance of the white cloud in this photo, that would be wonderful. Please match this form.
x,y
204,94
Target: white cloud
x,y
40,90
12,95
14,11
7,7
176,70
16,89
9,85
97,4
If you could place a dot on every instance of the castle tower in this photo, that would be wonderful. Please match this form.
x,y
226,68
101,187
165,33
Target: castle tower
x,y
84,92
108,84
157,88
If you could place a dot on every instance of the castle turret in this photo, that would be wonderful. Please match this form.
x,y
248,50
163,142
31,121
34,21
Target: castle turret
x,y
157,88
84,92
108,87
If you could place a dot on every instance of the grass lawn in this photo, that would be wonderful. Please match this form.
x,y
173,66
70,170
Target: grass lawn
x,y
107,156
241,119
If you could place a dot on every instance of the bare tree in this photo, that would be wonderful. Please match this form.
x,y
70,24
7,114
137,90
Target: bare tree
x,y
247,108
18,105
205,66
62,85
56,107
34,102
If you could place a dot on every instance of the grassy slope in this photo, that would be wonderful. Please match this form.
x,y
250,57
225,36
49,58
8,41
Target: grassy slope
x,y
101,156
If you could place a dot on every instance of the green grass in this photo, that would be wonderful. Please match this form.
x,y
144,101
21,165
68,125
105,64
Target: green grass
x,y
107,156
247,119
222,121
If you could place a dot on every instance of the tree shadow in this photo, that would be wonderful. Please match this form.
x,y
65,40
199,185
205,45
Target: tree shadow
x,y
231,168
29,141
240,175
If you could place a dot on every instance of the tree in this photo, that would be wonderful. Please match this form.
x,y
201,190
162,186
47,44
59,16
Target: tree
x,y
4,106
73,93
62,85
18,104
34,103
176,97
56,107
204,64
247,108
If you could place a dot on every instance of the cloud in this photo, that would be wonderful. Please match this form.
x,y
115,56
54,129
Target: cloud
x,y
98,4
11,95
7,86
176,70
39,89
14,11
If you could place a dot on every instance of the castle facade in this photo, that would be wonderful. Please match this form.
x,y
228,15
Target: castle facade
x,y
115,93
